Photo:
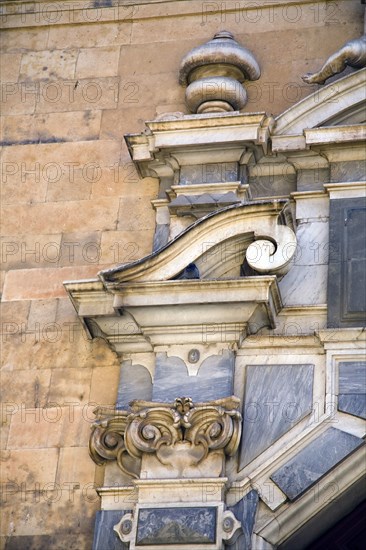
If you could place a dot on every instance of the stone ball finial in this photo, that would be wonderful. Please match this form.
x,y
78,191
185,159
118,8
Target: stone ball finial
x,y
214,73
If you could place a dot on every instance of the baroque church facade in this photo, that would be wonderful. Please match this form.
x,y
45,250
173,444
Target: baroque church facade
x,y
184,286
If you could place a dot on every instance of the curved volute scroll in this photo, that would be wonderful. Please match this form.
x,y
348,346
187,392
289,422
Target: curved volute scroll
x,y
107,440
179,434
273,255
270,220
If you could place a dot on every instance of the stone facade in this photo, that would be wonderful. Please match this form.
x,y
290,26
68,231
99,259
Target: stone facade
x,y
245,374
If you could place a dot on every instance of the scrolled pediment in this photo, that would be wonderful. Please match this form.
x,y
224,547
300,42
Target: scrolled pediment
x,y
217,245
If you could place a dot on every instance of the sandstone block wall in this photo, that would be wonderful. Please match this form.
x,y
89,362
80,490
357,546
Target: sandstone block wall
x,y
76,77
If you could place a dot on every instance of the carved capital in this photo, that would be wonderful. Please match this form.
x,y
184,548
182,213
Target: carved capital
x,y
180,434
107,440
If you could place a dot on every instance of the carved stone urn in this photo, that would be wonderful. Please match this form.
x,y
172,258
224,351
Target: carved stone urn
x,y
214,73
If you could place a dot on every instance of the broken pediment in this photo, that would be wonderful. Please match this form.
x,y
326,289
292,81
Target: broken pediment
x,y
146,303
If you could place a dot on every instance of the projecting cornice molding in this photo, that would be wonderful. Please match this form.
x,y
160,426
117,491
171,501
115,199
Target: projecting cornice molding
x,y
177,140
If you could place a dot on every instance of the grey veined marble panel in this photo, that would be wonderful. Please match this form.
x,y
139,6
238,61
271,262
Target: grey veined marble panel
x,y
352,377
352,388
135,383
314,461
353,404
245,511
104,536
276,398
213,381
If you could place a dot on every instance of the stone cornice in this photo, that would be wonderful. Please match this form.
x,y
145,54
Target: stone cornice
x,y
30,13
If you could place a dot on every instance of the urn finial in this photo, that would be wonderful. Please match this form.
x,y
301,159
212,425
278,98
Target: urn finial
x,y
214,74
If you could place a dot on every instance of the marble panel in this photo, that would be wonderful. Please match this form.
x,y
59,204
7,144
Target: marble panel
x,y
352,377
304,285
353,404
272,186
219,172
312,243
213,381
135,383
276,398
245,511
161,235
104,536
347,171
312,180
314,461
176,526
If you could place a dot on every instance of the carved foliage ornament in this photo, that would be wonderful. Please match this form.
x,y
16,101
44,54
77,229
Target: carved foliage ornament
x,y
159,428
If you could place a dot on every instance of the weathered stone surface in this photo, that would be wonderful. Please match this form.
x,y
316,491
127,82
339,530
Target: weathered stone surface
x,y
98,62
23,284
28,251
70,384
13,312
79,94
74,466
135,213
213,381
276,398
135,383
49,514
80,249
314,461
51,127
44,542
38,349
104,536
104,384
27,388
120,247
28,40
9,67
29,466
70,216
48,64
89,35
245,511
52,425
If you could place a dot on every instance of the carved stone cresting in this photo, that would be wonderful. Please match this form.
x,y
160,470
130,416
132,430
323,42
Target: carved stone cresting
x,y
214,73
180,434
